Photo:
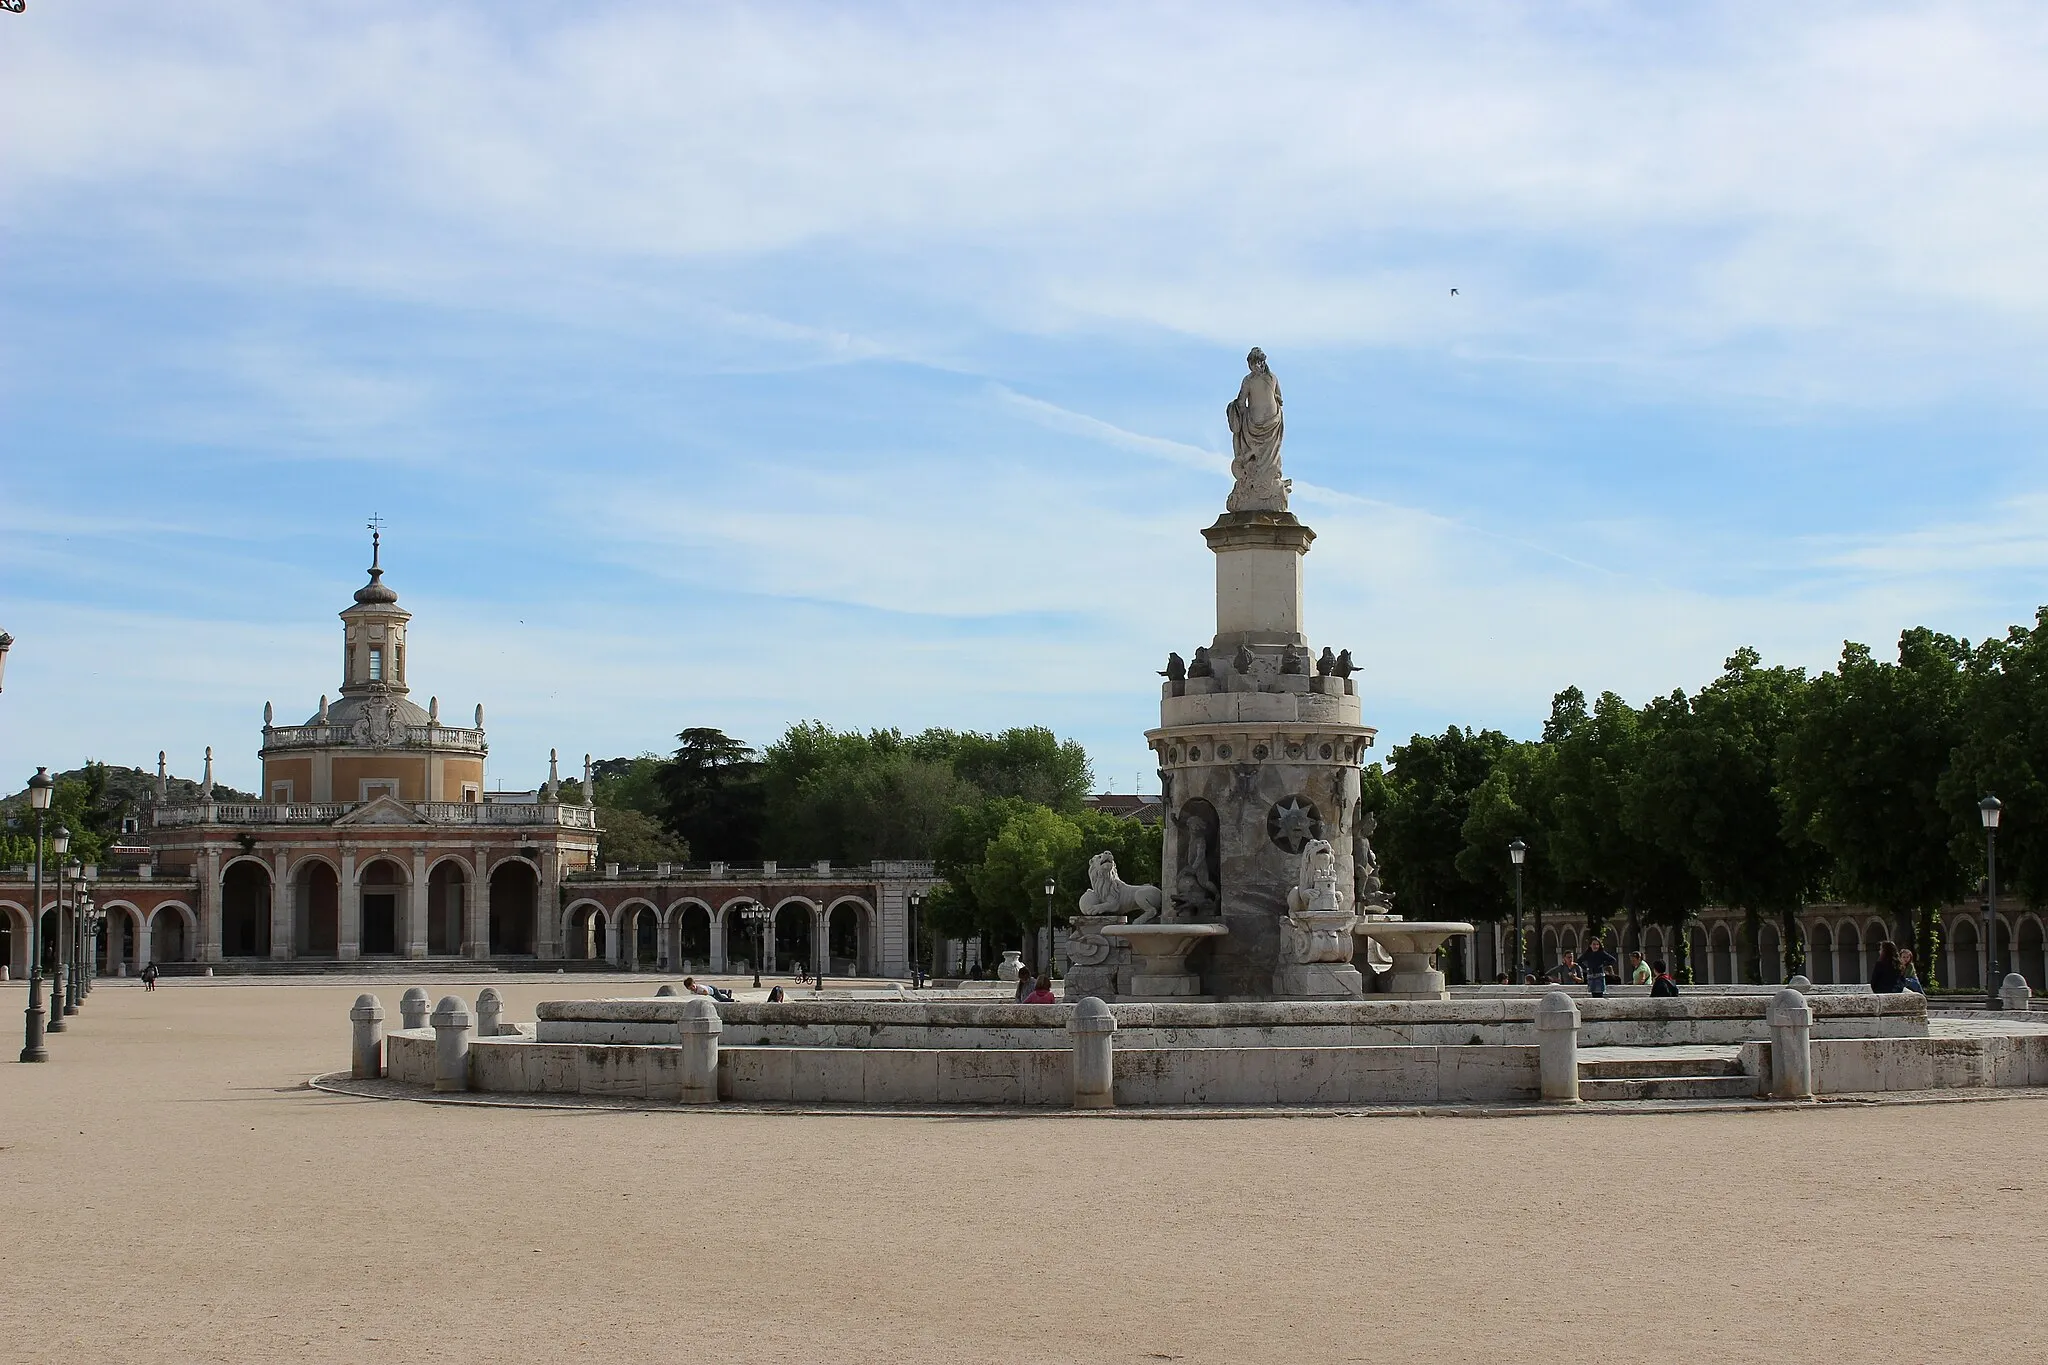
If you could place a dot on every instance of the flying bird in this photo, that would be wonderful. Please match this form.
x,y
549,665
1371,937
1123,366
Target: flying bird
x,y
1454,293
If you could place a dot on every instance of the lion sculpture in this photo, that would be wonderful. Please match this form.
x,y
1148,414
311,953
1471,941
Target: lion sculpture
x,y
1109,894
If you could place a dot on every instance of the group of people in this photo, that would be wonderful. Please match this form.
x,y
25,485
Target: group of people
x,y
1596,966
1035,990
1895,971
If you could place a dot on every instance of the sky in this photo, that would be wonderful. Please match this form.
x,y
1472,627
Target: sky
x,y
738,365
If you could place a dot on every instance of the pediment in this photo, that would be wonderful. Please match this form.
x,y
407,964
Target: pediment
x,y
382,810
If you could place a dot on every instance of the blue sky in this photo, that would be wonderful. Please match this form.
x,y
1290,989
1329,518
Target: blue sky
x,y
737,365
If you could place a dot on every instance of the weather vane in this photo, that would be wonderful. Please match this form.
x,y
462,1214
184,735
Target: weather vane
x,y
376,525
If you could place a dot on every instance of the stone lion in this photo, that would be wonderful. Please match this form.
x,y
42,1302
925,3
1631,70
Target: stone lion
x,y
1109,894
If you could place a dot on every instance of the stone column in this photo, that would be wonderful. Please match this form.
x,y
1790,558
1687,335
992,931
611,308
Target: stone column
x,y
476,924
1093,1030
142,943
366,1053
547,929
283,943
349,910
821,947
1557,1045
697,1030
209,907
718,954
416,914
1791,1023
451,1044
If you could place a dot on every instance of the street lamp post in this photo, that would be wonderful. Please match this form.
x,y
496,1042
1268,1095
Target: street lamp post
x,y
1989,810
1050,887
88,940
59,842
1517,852
916,948
757,915
32,1049
68,936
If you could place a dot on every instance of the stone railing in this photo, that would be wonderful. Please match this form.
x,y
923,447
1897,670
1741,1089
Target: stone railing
x,y
325,813
891,870
461,739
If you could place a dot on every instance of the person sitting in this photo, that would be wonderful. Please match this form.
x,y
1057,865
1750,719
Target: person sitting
x,y
1885,977
775,997
1639,973
1041,993
1907,973
1665,983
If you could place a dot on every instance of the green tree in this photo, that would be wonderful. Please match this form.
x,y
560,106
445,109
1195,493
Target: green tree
x,y
1423,798
1706,791
2004,753
711,796
1861,776
634,839
1026,761
854,798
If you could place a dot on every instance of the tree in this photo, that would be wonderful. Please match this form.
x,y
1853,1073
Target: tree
x,y
2004,753
1706,792
1861,776
1025,761
632,838
854,798
1424,797
711,796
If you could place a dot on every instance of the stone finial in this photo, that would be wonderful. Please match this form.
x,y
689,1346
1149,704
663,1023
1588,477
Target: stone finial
x,y
479,715
489,1013
553,790
412,1008
206,783
451,1023
163,779
268,715
366,1050
323,708
433,710
2015,994
1800,984
589,785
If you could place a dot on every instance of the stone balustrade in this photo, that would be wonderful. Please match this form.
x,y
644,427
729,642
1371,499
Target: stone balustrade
x,y
327,812
459,738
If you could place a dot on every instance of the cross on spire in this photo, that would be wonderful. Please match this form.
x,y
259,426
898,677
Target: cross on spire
x,y
376,538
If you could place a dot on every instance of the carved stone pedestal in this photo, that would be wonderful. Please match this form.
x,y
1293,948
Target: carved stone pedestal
x,y
1158,967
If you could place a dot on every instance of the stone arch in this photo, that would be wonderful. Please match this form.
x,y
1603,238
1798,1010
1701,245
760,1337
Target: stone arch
x,y
689,936
447,905
14,938
1546,952
2030,954
850,937
245,896
173,932
120,939
584,926
514,907
1720,963
795,938
1696,951
737,942
1770,952
1849,954
316,906
639,933
1568,942
381,883
1820,953
1963,945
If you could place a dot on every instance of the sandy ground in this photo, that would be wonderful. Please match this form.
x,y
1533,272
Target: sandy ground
x,y
169,1190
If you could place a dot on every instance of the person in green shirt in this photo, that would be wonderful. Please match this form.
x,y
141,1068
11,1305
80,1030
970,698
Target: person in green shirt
x,y
1639,973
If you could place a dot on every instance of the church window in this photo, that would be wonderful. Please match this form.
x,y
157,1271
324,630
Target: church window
x,y
398,662
376,663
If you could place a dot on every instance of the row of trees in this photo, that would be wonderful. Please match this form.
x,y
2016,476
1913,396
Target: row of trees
x,y
1763,791
997,813
91,802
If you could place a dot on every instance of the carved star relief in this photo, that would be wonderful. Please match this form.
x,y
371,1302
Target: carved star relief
x,y
1292,823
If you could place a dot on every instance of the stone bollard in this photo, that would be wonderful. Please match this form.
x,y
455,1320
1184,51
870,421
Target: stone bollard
x,y
489,1010
1800,984
1791,1023
1094,1032
664,991
2015,993
451,1044
412,1007
366,1051
1557,1048
697,1029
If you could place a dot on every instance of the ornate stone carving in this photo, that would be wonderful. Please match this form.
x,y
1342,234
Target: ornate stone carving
x,y
1371,898
1292,823
1195,890
1257,426
1316,937
1109,894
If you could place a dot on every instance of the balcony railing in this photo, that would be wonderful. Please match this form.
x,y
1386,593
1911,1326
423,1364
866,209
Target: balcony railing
x,y
326,813
343,737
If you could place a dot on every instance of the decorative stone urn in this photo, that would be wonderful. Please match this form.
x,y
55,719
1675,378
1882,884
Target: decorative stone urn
x,y
1413,946
1012,965
1158,969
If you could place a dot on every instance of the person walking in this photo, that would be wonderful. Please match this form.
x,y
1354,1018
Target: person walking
x,y
1885,977
1597,965
1664,983
149,977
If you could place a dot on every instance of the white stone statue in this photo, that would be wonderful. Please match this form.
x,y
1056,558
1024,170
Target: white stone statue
x,y
1316,886
1109,894
1256,428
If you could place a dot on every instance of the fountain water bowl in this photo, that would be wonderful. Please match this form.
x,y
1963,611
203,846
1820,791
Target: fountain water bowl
x,y
1412,944
1159,959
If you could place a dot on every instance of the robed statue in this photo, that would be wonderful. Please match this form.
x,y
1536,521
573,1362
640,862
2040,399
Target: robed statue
x,y
1256,427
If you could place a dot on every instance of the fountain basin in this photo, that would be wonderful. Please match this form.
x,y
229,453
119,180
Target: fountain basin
x,y
1412,944
1159,959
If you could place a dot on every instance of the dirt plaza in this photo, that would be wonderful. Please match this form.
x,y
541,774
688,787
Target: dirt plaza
x,y
173,1191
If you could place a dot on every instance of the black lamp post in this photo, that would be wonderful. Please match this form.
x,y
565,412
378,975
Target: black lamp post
x,y
59,842
1989,810
1050,887
74,978
1517,853
757,915
916,948
32,1049
88,940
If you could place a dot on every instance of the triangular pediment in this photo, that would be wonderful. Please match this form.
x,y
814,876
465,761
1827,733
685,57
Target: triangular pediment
x,y
382,810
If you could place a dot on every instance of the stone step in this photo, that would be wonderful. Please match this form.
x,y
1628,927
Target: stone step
x,y
1724,1087
1628,1068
